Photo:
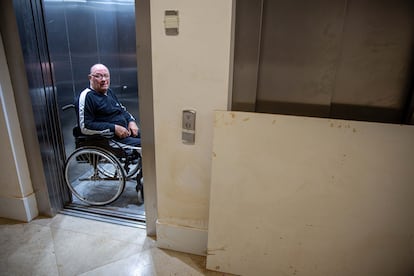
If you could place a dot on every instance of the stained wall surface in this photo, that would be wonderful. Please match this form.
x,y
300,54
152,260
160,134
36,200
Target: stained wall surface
x,y
296,195
190,71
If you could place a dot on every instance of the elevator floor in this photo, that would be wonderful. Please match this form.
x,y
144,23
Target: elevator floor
x,y
129,201
128,209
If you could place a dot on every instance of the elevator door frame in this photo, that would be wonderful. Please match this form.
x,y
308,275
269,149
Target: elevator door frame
x,y
50,202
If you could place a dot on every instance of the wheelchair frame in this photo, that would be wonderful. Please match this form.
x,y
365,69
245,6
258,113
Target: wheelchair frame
x,y
97,171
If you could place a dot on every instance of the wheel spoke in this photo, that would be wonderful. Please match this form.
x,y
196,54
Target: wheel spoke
x,y
94,176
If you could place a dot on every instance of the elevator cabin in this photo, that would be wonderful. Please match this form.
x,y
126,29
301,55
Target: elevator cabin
x,y
61,40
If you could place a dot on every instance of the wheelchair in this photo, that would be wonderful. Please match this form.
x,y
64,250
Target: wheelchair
x,y
97,171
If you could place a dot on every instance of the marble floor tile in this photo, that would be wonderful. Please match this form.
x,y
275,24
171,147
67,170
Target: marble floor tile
x,y
158,262
132,265
26,249
78,252
69,246
93,227
167,262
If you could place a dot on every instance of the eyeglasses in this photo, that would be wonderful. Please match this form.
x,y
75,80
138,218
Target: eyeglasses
x,y
100,76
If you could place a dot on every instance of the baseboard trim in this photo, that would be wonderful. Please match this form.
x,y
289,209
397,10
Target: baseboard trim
x,y
21,209
183,239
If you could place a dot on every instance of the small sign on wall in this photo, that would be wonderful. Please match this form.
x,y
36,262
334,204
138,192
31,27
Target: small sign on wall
x,y
171,22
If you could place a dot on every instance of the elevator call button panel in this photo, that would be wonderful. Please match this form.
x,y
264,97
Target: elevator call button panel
x,y
188,126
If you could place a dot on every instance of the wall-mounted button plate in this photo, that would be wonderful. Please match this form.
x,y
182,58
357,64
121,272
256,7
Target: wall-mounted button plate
x,y
188,126
171,22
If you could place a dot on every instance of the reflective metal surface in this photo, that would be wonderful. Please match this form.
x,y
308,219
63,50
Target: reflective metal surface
x,y
340,59
29,16
246,54
60,41
82,33
143,31
10,36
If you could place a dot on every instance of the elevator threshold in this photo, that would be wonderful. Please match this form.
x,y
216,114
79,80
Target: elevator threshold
x,y
105,215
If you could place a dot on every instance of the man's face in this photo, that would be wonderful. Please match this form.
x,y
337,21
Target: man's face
x,y
99,79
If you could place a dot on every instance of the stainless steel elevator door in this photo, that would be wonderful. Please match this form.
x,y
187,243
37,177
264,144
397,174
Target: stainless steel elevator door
x,y
374,73
299,55
340,58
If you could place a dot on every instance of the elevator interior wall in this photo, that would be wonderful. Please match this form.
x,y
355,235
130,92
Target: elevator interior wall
x,y
83,33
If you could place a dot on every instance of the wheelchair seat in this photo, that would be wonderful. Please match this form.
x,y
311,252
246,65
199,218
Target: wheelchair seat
x,y
97,171
105,142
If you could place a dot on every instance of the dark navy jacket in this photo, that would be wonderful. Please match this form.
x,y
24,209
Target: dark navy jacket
x,y
98,113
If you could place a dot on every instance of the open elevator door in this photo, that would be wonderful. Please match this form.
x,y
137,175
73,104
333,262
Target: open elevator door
x,y
81,34
60,42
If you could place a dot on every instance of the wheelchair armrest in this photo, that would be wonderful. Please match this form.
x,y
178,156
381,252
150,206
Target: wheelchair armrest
x,y
64,108
77,133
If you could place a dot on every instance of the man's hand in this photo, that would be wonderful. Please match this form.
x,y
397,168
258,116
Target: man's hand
x,y
133,128
121,132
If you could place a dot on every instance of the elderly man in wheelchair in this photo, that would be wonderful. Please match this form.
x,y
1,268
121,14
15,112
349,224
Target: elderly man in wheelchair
x,y
108,146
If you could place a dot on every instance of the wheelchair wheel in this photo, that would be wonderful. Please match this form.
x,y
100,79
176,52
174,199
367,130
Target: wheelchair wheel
x,y
140,185
131,169
94,176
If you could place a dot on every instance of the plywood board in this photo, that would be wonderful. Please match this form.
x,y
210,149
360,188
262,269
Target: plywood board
x,y
309,196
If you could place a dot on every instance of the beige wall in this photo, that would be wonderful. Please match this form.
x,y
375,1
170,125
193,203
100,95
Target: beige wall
x,y
17,200
190,70
310,196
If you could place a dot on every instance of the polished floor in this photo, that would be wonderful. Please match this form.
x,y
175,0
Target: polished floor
x,y
68,245
130,202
